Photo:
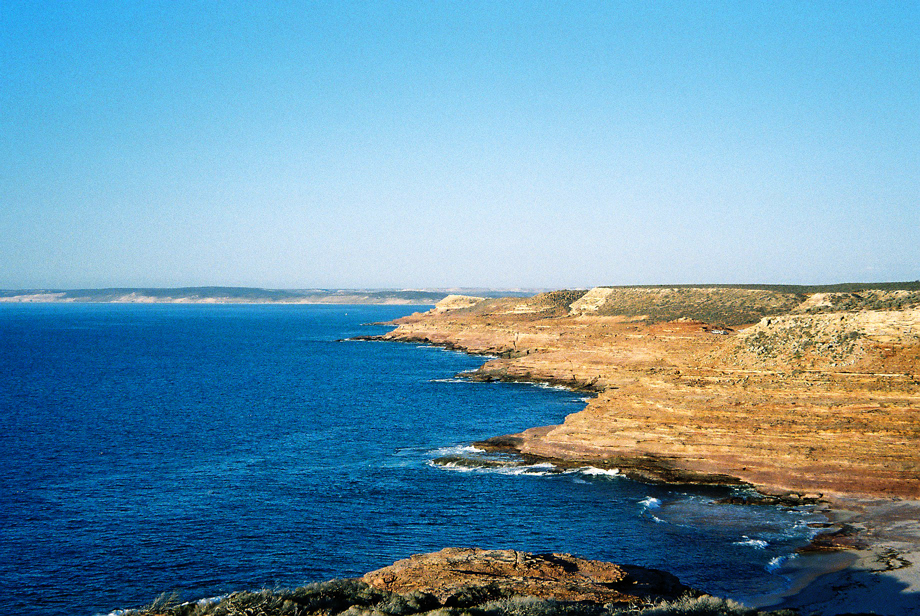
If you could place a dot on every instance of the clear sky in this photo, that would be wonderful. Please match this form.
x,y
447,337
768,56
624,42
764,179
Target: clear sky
x,y
436,144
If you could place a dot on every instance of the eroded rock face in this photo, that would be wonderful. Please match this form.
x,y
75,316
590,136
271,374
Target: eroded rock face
x,y
457,573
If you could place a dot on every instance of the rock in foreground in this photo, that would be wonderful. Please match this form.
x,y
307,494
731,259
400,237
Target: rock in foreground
x,y
474,582
454,573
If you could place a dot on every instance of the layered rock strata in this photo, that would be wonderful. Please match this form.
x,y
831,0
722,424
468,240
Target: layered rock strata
x,y
807,402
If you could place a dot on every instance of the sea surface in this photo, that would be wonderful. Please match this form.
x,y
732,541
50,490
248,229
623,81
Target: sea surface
x,y
201,449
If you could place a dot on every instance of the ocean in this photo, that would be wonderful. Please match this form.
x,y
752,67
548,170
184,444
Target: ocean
x,y
201,449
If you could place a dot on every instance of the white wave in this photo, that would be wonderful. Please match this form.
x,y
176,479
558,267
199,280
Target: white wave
x,y
757,544
656,519
453,466
593,471
650,502
208,600
539,470
456,450
200,603
551,386
535,470
450,380
778,561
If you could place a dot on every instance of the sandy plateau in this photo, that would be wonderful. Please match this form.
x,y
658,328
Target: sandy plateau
x,y
806,397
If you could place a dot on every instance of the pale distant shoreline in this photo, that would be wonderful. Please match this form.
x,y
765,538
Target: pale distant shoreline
x,y
426,296
243,295
46,299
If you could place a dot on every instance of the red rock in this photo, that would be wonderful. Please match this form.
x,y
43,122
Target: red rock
x,y
454,573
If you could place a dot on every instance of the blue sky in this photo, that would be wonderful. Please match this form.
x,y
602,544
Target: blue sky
x,y
439,144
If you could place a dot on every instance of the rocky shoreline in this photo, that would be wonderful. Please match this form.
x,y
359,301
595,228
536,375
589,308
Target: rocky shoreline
x,y
819,405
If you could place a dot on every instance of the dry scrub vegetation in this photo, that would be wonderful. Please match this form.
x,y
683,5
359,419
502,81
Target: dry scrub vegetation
x,y
356,598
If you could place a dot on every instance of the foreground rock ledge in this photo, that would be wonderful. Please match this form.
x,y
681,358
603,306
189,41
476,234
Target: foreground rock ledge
x,y
457,572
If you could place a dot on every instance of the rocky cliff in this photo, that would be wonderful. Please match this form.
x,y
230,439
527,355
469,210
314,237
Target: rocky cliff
x,y
817,394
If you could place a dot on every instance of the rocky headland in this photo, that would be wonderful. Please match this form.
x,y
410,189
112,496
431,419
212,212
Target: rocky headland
x,y
819,398
806,396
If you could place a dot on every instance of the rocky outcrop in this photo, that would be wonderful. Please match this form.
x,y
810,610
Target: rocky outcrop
x,y
456,302
591,301
472,582
462,572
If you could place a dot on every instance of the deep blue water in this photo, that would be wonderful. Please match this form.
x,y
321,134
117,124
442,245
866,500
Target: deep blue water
x,y
204,449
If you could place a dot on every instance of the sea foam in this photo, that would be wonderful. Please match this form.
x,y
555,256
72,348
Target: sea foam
x,y
538,470
456,450
593,471
757,544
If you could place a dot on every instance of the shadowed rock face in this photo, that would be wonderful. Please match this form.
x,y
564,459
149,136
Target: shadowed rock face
x,y
455,573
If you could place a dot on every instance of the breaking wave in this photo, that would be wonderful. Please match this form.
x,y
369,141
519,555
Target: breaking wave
x,y
457,450
539,470
757,544
778,561
473,459
650,503
551,386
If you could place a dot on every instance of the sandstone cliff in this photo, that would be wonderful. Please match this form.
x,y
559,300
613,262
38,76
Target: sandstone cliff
x,y
817,393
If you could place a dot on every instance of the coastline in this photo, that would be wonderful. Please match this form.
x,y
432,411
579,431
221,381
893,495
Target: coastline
x,y
882,576
874,572
879,574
